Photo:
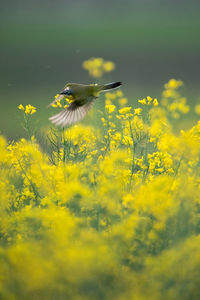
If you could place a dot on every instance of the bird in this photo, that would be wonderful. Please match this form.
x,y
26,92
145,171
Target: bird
x,y
82,97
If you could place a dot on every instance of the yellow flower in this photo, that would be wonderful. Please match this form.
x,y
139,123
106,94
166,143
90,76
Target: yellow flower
x,y
117,136
149,99
123,101
175,115
127,140
56,96
137,111
173,84
108,66
21,107
169,93
152,139
69,100
30,110
57,104
110,96
97,66
54,105
110,108
108,102
127,199
93,152
155,102
104,148
95,73
125,110
119,93
98,62
143,101
197,109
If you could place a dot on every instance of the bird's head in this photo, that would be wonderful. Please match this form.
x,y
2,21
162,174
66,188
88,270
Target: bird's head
x,y
67,92
75,91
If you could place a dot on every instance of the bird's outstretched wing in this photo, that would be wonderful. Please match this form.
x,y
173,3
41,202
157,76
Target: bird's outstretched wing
x,y
72,114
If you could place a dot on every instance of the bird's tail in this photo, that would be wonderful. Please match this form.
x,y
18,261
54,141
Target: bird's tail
x,y
110,86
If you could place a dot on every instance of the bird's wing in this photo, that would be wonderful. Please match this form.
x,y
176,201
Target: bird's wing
x,y
72,114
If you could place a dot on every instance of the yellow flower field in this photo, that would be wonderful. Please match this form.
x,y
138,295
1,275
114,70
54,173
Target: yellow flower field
x,y
107,213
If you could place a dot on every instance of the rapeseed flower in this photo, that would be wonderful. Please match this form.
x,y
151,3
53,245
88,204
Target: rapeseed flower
x,y
98,66
110,108
197,109
28,109
122,101
143,101
125,110
149,100
137,111
155,102
21,107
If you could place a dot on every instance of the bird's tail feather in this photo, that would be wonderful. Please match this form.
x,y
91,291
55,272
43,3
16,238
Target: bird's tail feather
x,y
110,86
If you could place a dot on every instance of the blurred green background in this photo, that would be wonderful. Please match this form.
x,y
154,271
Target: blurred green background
x,y
43,45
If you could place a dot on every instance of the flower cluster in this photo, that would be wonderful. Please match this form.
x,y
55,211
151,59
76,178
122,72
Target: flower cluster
x,y
109,212
173,101
98,66
149,101
28,109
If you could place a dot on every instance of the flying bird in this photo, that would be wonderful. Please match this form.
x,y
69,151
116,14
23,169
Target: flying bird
x,y
82,98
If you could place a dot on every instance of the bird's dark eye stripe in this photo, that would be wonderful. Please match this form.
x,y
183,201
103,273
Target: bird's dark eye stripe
x,y
67,91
